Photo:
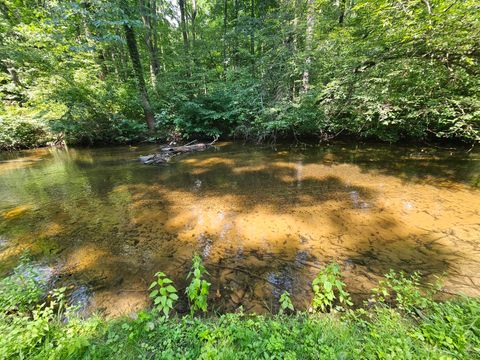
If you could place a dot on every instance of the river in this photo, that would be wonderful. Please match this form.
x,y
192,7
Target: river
x,y
264,219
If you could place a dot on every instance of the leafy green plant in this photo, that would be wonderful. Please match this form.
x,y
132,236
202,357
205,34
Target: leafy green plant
x,y
402,291
47,330
197,290
22,289
453,325
328,287
19,133
285,303
446,330
164,294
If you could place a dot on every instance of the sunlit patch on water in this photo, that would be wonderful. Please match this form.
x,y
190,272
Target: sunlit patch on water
x,y
263,220
16,211
408,205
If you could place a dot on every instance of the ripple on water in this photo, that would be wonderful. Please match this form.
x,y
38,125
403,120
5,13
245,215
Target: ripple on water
x,y
295,210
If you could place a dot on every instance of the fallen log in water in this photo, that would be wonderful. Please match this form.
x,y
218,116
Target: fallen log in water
x,y
168,152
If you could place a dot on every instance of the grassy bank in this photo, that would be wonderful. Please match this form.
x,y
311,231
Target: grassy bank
x,y
400,322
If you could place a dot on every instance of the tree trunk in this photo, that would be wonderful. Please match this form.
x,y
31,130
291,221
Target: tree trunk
x,y
308,45
342,8
194,16
252,30
137,67
148,9
296,35
235,39
5,11
122,60
225,21
102,62
183,24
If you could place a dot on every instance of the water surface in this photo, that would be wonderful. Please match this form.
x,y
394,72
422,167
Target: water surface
x,y
264,219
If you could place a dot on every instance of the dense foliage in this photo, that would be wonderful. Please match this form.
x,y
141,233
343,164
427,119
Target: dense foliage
x,y
102,71
400,321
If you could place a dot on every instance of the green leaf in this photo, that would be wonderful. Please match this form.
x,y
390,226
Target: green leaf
x,y
171,289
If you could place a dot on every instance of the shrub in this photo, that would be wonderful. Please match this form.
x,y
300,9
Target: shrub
x,y
18,133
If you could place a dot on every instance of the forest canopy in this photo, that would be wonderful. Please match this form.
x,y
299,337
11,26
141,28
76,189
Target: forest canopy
x,y
123,71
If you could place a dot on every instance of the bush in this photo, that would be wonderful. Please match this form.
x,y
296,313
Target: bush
x,y
104,130
18,133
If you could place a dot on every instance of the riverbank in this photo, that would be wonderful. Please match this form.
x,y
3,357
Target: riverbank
x,y
25,133
401,321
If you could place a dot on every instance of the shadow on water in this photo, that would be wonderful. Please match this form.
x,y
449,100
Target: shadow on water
x,y
264,221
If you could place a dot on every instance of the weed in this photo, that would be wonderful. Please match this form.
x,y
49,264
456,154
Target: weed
x,y
23,289
285,303
328,287
51,330
164,294
401,291
197,290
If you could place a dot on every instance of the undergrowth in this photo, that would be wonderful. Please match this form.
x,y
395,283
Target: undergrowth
x,y
400,321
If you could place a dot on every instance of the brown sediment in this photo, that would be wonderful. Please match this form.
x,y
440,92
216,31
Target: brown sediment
x,y
263,220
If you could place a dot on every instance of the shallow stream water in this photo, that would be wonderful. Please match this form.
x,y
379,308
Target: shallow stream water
x,y
264,219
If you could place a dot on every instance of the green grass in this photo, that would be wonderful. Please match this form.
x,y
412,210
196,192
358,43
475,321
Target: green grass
x,y
428,330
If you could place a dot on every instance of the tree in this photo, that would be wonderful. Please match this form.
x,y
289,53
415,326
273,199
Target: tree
x,y
308,44
149,17
386,69
137,67
183,25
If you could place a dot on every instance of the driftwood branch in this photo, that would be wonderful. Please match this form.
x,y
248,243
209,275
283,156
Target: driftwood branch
x,y
168,152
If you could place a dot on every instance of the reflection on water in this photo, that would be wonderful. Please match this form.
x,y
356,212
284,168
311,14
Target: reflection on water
x,y
264,220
